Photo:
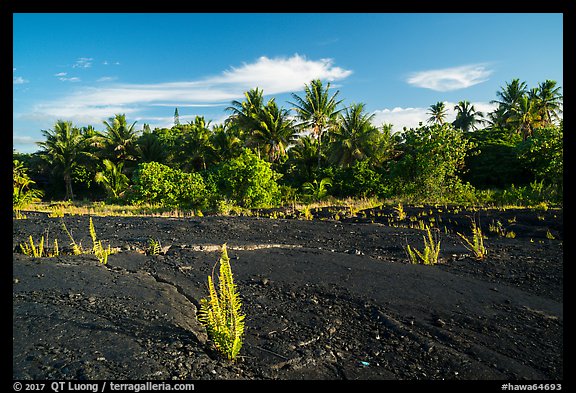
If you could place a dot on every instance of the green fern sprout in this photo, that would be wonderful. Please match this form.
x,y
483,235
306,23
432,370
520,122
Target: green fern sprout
x,y
154,247
30,249
97,248
429,256
400,212
76,248
476,245
221,313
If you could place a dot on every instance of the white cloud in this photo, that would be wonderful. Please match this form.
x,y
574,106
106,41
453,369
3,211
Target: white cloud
x,y
18,80
61,74
411,117
106,79
449,79
400,117
83,62
72,79
281,74
273,76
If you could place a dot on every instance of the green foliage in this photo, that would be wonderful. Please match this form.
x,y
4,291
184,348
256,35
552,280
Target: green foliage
x,y
543,154
531,195
76,248
154,247
321,138
360,180
495,161
400,212
429,256
317,190
97,248
429,167
221,311
156,183
476,245
248,181
112,178
23,193
38,251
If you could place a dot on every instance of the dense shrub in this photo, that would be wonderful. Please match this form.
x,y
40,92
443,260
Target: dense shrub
x,y
157,183
543,154
248,181
494,162
431,163
360,180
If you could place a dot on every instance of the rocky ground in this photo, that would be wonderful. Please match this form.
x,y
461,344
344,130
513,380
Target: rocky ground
x,y
324,299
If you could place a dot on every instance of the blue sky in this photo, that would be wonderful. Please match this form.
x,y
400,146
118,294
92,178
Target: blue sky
x,y
88,67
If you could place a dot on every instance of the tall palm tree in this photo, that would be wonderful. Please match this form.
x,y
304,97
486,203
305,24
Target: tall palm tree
x,y
224,144
525,116
120,139
437,113
150,147
63,148
467,116
195,143
549,101
244,113
304,155
509,97
496,119
352,140
244,118
317,110
275,131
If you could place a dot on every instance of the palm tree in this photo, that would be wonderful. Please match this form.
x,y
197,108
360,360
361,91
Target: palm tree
x,y
525,116
317,190
150,147
120,139
549,101
112,178
509,97
244,114
195,143
466,116
244,118
274,132
224,144
304,155
352,140
62,149
317,110
437,113
496,119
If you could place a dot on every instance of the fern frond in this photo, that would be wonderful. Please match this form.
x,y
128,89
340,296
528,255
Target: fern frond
x,y
221,311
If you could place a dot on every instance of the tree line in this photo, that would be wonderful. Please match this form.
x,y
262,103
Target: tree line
x,y
264,155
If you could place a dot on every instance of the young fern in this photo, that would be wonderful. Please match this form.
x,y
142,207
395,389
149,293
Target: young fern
x,y
400,212
430,254
39,251
221,311
97,248
154,247
31,249
76,249
476,245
